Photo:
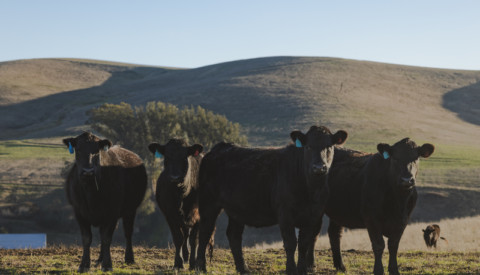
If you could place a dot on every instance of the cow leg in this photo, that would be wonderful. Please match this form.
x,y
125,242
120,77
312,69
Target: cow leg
x,y
106,240
378,245
311,249
128,224
178,241
193,245
102,249
208,214
289,243
185,253
86,232
392,249
335,233
304,243
234,235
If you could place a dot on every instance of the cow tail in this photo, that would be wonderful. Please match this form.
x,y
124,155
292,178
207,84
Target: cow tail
x,y
210,244
444,239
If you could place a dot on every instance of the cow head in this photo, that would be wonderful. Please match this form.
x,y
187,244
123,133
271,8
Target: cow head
x,y
428,235
87,148
176,153
318,144
404,159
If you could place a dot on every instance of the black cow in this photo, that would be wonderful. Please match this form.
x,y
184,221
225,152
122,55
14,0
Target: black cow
x,y
105,184
266,186
431,234
376,192
177,195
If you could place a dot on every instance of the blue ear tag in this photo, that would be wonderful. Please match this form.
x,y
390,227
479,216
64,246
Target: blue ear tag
x,y
158,155
70,148
298,143
386,155
105,148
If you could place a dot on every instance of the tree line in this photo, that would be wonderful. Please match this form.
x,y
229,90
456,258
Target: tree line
x,y
134,128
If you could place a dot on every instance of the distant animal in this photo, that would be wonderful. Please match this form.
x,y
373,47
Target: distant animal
x,y
373,191
431,234
177,195
262,187
106,183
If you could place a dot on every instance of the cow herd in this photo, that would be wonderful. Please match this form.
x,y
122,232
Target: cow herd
x,y
292,186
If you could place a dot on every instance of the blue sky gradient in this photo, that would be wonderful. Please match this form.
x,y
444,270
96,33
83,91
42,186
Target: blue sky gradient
x,y
189,34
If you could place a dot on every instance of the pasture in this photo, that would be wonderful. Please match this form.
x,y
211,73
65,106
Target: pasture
x,y
65,260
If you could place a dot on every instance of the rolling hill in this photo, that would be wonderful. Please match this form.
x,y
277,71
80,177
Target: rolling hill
x,y
43,100
269,96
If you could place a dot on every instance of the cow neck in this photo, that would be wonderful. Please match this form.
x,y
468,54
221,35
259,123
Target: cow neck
x,y
185,187
400,197
94,196
315,186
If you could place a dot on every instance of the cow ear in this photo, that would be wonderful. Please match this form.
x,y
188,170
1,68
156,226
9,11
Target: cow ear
x,y
423,230
68,141
105,144
195,149
385,150
155,147
426,150
298,138
340,137
71,143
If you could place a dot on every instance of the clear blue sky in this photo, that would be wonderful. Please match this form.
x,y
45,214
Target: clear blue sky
x,y
189,34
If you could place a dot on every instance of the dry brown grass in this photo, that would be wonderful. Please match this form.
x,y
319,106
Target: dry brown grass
x,y
463,235
65,260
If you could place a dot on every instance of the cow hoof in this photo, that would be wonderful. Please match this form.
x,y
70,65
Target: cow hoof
x,y
107,269
97,263
341,268
129,262
83,269
200,266
177,268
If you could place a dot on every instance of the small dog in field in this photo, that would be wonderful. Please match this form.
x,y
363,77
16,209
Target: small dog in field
x,y
431,235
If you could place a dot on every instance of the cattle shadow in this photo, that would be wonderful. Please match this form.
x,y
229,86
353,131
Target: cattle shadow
x,y
465,102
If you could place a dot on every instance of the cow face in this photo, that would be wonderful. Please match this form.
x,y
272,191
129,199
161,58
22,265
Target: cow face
x,y
318,145
87,148
429,235
404,159
176,153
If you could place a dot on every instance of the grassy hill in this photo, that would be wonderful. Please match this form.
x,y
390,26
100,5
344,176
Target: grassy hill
x,y
375,102
43,100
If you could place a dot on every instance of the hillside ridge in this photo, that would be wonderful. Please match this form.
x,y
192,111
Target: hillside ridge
x,y
269,96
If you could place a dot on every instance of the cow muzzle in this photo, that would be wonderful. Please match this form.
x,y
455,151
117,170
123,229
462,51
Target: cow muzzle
x,y
407,183
319,169
174,179
88,172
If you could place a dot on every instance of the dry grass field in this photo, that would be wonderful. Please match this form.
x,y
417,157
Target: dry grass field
x,y
65,260
461,234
